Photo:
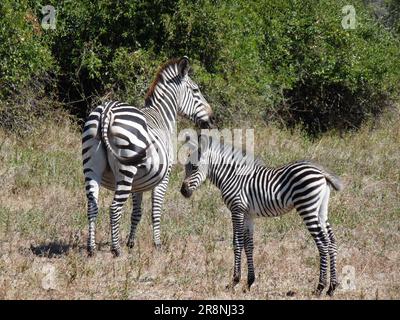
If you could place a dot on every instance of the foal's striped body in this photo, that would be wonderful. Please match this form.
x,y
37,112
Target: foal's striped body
x,y
250,189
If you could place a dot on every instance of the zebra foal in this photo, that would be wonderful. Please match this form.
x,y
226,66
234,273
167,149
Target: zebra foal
x,y
250,189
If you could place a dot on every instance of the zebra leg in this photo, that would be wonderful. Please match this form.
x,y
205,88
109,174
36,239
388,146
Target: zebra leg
x,y
92,193
327,230
94,164
331,241
322,243
311,220
238,244
157,199
248,248
123,189
332,255
135,217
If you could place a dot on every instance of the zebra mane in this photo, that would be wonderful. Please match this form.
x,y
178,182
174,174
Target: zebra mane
x,y
236,154
158,78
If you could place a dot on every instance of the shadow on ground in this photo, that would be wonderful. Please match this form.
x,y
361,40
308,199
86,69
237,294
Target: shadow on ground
x,y
52,249
58,249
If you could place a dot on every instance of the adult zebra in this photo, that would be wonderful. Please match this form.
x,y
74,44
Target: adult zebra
x,y
250,189
127,149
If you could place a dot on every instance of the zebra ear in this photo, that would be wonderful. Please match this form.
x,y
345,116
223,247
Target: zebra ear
x,y
192,146
203,142
183,66
192,152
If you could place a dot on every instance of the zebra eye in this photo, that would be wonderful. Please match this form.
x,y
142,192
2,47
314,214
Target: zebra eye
x,y
196,90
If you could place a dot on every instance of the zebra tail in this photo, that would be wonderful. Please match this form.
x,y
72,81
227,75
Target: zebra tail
x,y
137,159
334,181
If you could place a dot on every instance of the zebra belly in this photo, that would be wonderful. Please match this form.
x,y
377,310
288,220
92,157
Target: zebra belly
x,y
268,208
144,179
155,167
149,174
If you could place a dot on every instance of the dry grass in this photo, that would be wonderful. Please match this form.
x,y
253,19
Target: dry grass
x,y
43,225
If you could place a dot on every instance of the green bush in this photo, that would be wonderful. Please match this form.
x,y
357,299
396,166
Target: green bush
x,y
92,37
285,60
131,74
393,17
27,68
328,77
23,51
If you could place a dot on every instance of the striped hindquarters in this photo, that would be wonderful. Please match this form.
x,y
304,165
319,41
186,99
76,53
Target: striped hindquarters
x,y
296,185
124,132
91,131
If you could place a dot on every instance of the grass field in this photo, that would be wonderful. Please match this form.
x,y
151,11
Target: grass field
x,y
43,225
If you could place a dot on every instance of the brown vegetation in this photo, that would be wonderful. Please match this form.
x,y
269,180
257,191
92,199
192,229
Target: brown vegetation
x,y
43,225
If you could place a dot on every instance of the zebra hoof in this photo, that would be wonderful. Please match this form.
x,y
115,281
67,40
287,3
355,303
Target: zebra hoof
x,y
130,244
319,290
250,281
116,252
230,286
290,293
157,246
91,252
331,289
234,282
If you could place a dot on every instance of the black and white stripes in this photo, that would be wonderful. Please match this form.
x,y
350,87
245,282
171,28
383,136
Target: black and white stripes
x,y
127,149
250,189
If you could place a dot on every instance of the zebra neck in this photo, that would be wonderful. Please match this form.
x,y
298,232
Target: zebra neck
x,y
220,170
164,97
167,111
227,164
216,172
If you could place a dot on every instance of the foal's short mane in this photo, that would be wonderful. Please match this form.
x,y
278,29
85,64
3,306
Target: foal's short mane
x,y
240,152
158,77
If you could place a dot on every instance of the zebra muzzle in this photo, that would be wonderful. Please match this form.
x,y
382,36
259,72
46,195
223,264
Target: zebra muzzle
x,y
186,192
210,124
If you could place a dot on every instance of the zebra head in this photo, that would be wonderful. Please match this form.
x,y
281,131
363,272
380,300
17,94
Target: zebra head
x,y
192,104
196,169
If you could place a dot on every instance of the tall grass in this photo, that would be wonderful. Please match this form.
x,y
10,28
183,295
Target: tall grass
x,y
43,222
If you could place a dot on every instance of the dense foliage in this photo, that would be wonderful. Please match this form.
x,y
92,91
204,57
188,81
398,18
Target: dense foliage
x,y
285,60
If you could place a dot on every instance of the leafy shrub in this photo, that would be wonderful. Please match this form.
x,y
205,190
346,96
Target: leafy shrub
x,y
32,105
131,74
90,39
285,60
329,77
23,50
393,17
26,68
